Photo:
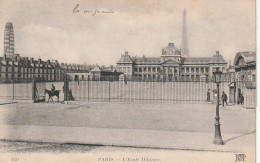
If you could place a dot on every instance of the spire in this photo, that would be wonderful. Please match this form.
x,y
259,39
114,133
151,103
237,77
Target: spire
x,y
184,44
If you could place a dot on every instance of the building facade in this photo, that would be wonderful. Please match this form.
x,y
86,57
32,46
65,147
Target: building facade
x,y
245,66
171,66
245,72
23,69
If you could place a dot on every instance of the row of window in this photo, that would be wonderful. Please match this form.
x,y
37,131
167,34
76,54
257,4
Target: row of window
x,y
192,77
15,69
148,76
49,77
157,69
147,69
195,70
124,69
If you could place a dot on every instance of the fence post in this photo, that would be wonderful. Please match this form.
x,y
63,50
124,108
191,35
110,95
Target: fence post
x,y
66,88
88,88
108,91
13,88
34,90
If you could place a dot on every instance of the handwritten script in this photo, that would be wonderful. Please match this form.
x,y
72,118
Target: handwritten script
x,y
77,9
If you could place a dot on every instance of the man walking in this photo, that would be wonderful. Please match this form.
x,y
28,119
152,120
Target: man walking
x,y
224,99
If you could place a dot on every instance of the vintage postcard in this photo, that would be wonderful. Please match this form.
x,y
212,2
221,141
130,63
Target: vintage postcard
x,y
124,81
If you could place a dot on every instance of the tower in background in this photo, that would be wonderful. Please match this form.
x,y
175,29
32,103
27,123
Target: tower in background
x,y
184,43
9,40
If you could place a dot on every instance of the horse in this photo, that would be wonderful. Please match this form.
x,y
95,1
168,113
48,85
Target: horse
x,y
50,93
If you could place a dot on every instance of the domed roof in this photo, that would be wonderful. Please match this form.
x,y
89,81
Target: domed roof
x,y
218,58
125,58
170,50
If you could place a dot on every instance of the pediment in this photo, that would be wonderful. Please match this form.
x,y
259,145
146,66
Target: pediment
x,y
169,62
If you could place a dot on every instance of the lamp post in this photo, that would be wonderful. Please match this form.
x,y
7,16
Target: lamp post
x,y
218,138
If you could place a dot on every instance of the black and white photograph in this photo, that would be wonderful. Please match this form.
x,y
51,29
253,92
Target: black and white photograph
x,y
124,81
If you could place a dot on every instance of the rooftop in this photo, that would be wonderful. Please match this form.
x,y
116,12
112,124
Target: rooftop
x,y
125,58
249,57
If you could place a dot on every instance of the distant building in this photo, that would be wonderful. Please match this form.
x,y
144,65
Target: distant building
x,y
23,69
245,66
104,73
9,40
76,71
170,66
245,69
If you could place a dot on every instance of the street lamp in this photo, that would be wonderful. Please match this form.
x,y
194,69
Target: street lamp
x,y
218,138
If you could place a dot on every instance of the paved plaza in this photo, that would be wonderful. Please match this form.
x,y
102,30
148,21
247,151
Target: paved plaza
x,y
154,125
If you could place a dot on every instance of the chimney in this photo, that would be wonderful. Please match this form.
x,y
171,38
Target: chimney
x,y
39,61
48,62
31,60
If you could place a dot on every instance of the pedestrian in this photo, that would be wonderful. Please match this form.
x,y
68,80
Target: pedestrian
x,y
208,95
224,99
125,79
71,98
240,99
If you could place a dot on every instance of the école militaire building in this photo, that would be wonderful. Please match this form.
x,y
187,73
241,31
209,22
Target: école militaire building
x,y
171,66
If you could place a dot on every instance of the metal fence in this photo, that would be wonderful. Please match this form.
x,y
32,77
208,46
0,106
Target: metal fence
x,y
250,98
130,91
136,91
16,91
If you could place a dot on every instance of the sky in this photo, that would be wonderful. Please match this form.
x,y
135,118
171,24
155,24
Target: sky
x,y
57,30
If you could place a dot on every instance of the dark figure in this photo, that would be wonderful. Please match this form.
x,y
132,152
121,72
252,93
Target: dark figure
x,y
240,99
51,94
224,99
208,95
125,79
52,88
78,81
71,98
